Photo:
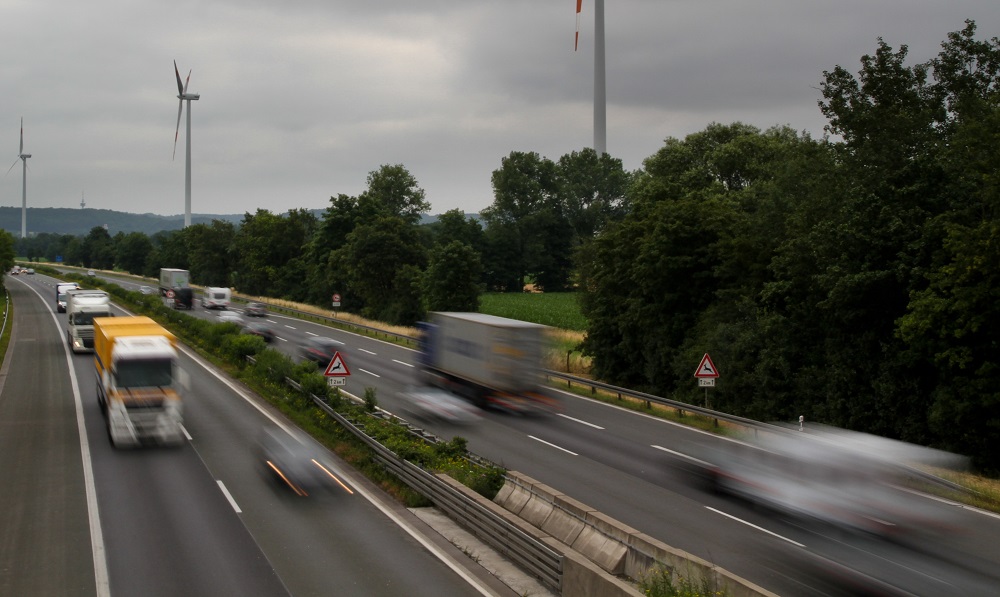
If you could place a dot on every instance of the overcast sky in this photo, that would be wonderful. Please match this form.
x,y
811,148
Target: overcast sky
x,y
301,99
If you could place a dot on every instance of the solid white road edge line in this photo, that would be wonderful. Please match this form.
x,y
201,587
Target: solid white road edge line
x,y
101,579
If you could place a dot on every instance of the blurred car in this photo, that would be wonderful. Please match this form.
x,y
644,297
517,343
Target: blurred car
x,y
230,317
15,271
295,463
91,272
435,403
319,350
30,272
256,310
259,329
147,290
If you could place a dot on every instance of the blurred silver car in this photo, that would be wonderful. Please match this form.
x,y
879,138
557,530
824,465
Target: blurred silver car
x,y
295,464
230,317
434,403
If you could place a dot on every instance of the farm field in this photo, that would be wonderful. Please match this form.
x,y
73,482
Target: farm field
x,y
556,309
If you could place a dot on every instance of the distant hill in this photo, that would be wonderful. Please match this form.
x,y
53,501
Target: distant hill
x,y
79,222
63,220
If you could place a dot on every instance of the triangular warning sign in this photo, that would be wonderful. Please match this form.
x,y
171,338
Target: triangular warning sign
x,y
337,367
706,369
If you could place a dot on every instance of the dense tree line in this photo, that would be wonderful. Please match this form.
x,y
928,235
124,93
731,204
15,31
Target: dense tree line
x,y
372,250
850,279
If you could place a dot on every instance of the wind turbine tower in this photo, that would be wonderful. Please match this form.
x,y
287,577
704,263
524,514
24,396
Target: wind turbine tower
x,y
24,182
600,83
183,95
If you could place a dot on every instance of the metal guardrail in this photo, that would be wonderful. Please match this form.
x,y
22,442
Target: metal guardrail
x,y
531,554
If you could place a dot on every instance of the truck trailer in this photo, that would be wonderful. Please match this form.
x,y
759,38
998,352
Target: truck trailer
x,y
139,382
492,361
173,278
82,306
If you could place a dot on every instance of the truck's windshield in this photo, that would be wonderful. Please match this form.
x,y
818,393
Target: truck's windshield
x,y
87,317
144,373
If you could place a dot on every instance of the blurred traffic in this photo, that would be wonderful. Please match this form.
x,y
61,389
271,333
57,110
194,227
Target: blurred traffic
x,y
296,464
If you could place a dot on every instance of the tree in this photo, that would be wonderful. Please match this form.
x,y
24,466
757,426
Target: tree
x,y
373,258
6,251
210,252
528,217
98,249
593,191
268,251
131,252
452,279
393,191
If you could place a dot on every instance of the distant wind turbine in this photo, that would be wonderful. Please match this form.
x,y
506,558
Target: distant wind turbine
x,y
600,85
24,182
182,95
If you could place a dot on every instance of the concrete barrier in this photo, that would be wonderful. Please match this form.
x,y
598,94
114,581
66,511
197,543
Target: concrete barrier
x,y
598,549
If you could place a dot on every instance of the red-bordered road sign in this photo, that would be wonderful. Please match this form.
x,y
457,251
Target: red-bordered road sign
x,y
337,367
706,369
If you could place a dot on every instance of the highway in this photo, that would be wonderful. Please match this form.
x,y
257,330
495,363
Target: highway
x,y
622,463
202,519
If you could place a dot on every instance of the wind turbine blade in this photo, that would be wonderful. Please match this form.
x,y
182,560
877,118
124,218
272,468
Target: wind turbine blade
x,y
20,150
11,167
576,41
180,108
180,90
186,81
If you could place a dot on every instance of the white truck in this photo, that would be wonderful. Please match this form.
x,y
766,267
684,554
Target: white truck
x,y
216,298
492,361
82,306
173,278
61,288
139,381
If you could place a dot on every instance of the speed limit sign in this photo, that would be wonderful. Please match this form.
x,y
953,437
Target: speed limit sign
x,y
336,299
170,294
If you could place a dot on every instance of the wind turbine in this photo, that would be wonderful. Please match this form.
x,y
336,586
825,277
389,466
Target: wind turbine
x,y
600,84
182,95
24,182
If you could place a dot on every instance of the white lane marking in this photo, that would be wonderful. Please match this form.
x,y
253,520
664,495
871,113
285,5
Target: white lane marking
x,y
280,338
755,526
229,497
368,351
186,434
580,421
402,363
369,372
311,334
553,445
291,327
101,579
682,455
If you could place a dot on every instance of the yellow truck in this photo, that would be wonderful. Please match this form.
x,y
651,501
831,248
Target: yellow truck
x,y
139,382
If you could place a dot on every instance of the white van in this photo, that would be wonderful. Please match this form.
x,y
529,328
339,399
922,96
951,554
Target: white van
x,y
216,298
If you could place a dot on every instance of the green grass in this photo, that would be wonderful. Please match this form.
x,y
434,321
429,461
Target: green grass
x,y
556,309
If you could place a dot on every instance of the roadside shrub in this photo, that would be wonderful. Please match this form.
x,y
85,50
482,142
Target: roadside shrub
x,y
272,367
236,349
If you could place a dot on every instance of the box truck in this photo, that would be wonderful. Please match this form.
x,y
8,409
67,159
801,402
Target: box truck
x,y
492,361
61,288
139,382
173,278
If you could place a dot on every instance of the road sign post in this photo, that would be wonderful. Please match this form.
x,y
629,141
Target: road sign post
x,y
706,373
337,372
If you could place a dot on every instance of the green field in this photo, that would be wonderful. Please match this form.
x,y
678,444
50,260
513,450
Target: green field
x,y
556,309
